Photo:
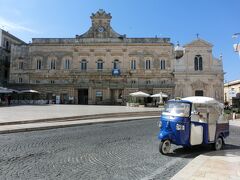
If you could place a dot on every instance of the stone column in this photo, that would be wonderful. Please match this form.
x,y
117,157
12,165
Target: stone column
x,y
90,95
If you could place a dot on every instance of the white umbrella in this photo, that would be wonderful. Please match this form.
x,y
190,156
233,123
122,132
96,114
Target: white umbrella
x,y
6,90
3,91
139,94
28,91
159,95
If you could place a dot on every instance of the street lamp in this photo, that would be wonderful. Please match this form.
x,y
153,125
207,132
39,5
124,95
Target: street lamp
x,y
236,46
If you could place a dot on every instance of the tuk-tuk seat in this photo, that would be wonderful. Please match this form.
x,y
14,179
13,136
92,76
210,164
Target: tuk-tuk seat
x,y
199,117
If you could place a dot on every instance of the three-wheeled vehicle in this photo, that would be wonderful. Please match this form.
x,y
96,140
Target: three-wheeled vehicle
x,y
192,121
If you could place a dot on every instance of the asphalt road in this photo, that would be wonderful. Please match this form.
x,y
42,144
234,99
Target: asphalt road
x,y
124,150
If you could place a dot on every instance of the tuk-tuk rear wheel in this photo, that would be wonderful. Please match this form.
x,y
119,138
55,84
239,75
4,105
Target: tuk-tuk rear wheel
x,y
218,144
165,146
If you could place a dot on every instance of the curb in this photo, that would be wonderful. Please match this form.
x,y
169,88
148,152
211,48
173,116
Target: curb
x,y
84,117
73,124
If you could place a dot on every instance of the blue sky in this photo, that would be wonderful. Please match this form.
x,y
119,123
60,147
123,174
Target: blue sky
x,y
215,21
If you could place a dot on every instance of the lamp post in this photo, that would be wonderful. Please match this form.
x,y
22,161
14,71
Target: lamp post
x,y
236,46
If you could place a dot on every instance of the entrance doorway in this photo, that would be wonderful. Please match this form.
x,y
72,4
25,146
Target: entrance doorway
x,y
198,93
83,96
116,96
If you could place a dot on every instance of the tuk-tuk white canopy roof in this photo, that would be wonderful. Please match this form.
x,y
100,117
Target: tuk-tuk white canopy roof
x,y
202,100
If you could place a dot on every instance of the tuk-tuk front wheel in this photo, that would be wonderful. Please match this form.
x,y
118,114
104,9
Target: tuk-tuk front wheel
x,y
218,144
165,146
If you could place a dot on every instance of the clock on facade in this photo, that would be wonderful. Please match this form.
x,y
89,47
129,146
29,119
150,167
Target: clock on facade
x,y
100,29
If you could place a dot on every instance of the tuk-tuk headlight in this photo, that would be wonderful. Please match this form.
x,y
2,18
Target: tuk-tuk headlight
x,y
160,124
180,127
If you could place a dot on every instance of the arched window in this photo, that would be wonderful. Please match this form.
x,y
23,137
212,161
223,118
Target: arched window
x,y
148,82
162,64
84,65
147,64
116,64
67,64
20,65
100,64
20,80
198,64
133,64
39,64
53,64
7,45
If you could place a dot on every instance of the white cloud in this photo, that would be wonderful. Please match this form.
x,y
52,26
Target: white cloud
x,y
13,26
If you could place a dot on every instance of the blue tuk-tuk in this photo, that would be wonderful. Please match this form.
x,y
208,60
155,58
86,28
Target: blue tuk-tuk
x,y
192,121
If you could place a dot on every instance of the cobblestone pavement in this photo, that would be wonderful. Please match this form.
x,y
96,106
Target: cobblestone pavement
x,y
126,150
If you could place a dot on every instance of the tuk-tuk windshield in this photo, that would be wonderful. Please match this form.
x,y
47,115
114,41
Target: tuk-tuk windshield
x,y
177,109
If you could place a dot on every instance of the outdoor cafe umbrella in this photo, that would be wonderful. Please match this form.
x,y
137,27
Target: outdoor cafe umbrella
x,y
139,94
28,91
6,90
160,95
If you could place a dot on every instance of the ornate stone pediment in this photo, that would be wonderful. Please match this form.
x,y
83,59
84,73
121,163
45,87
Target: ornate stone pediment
x,y
84,54
142,53
134,53
116,54
199,84
101,14
199,43
100,54
148,52
101,27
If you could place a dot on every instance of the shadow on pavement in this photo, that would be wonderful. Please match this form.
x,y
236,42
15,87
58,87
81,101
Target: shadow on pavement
x,y
231,147
192,152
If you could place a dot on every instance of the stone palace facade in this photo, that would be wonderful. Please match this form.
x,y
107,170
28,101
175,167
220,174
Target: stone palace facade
x,y
103,67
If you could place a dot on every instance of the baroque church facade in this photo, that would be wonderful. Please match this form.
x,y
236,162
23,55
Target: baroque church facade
x,y
104,67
